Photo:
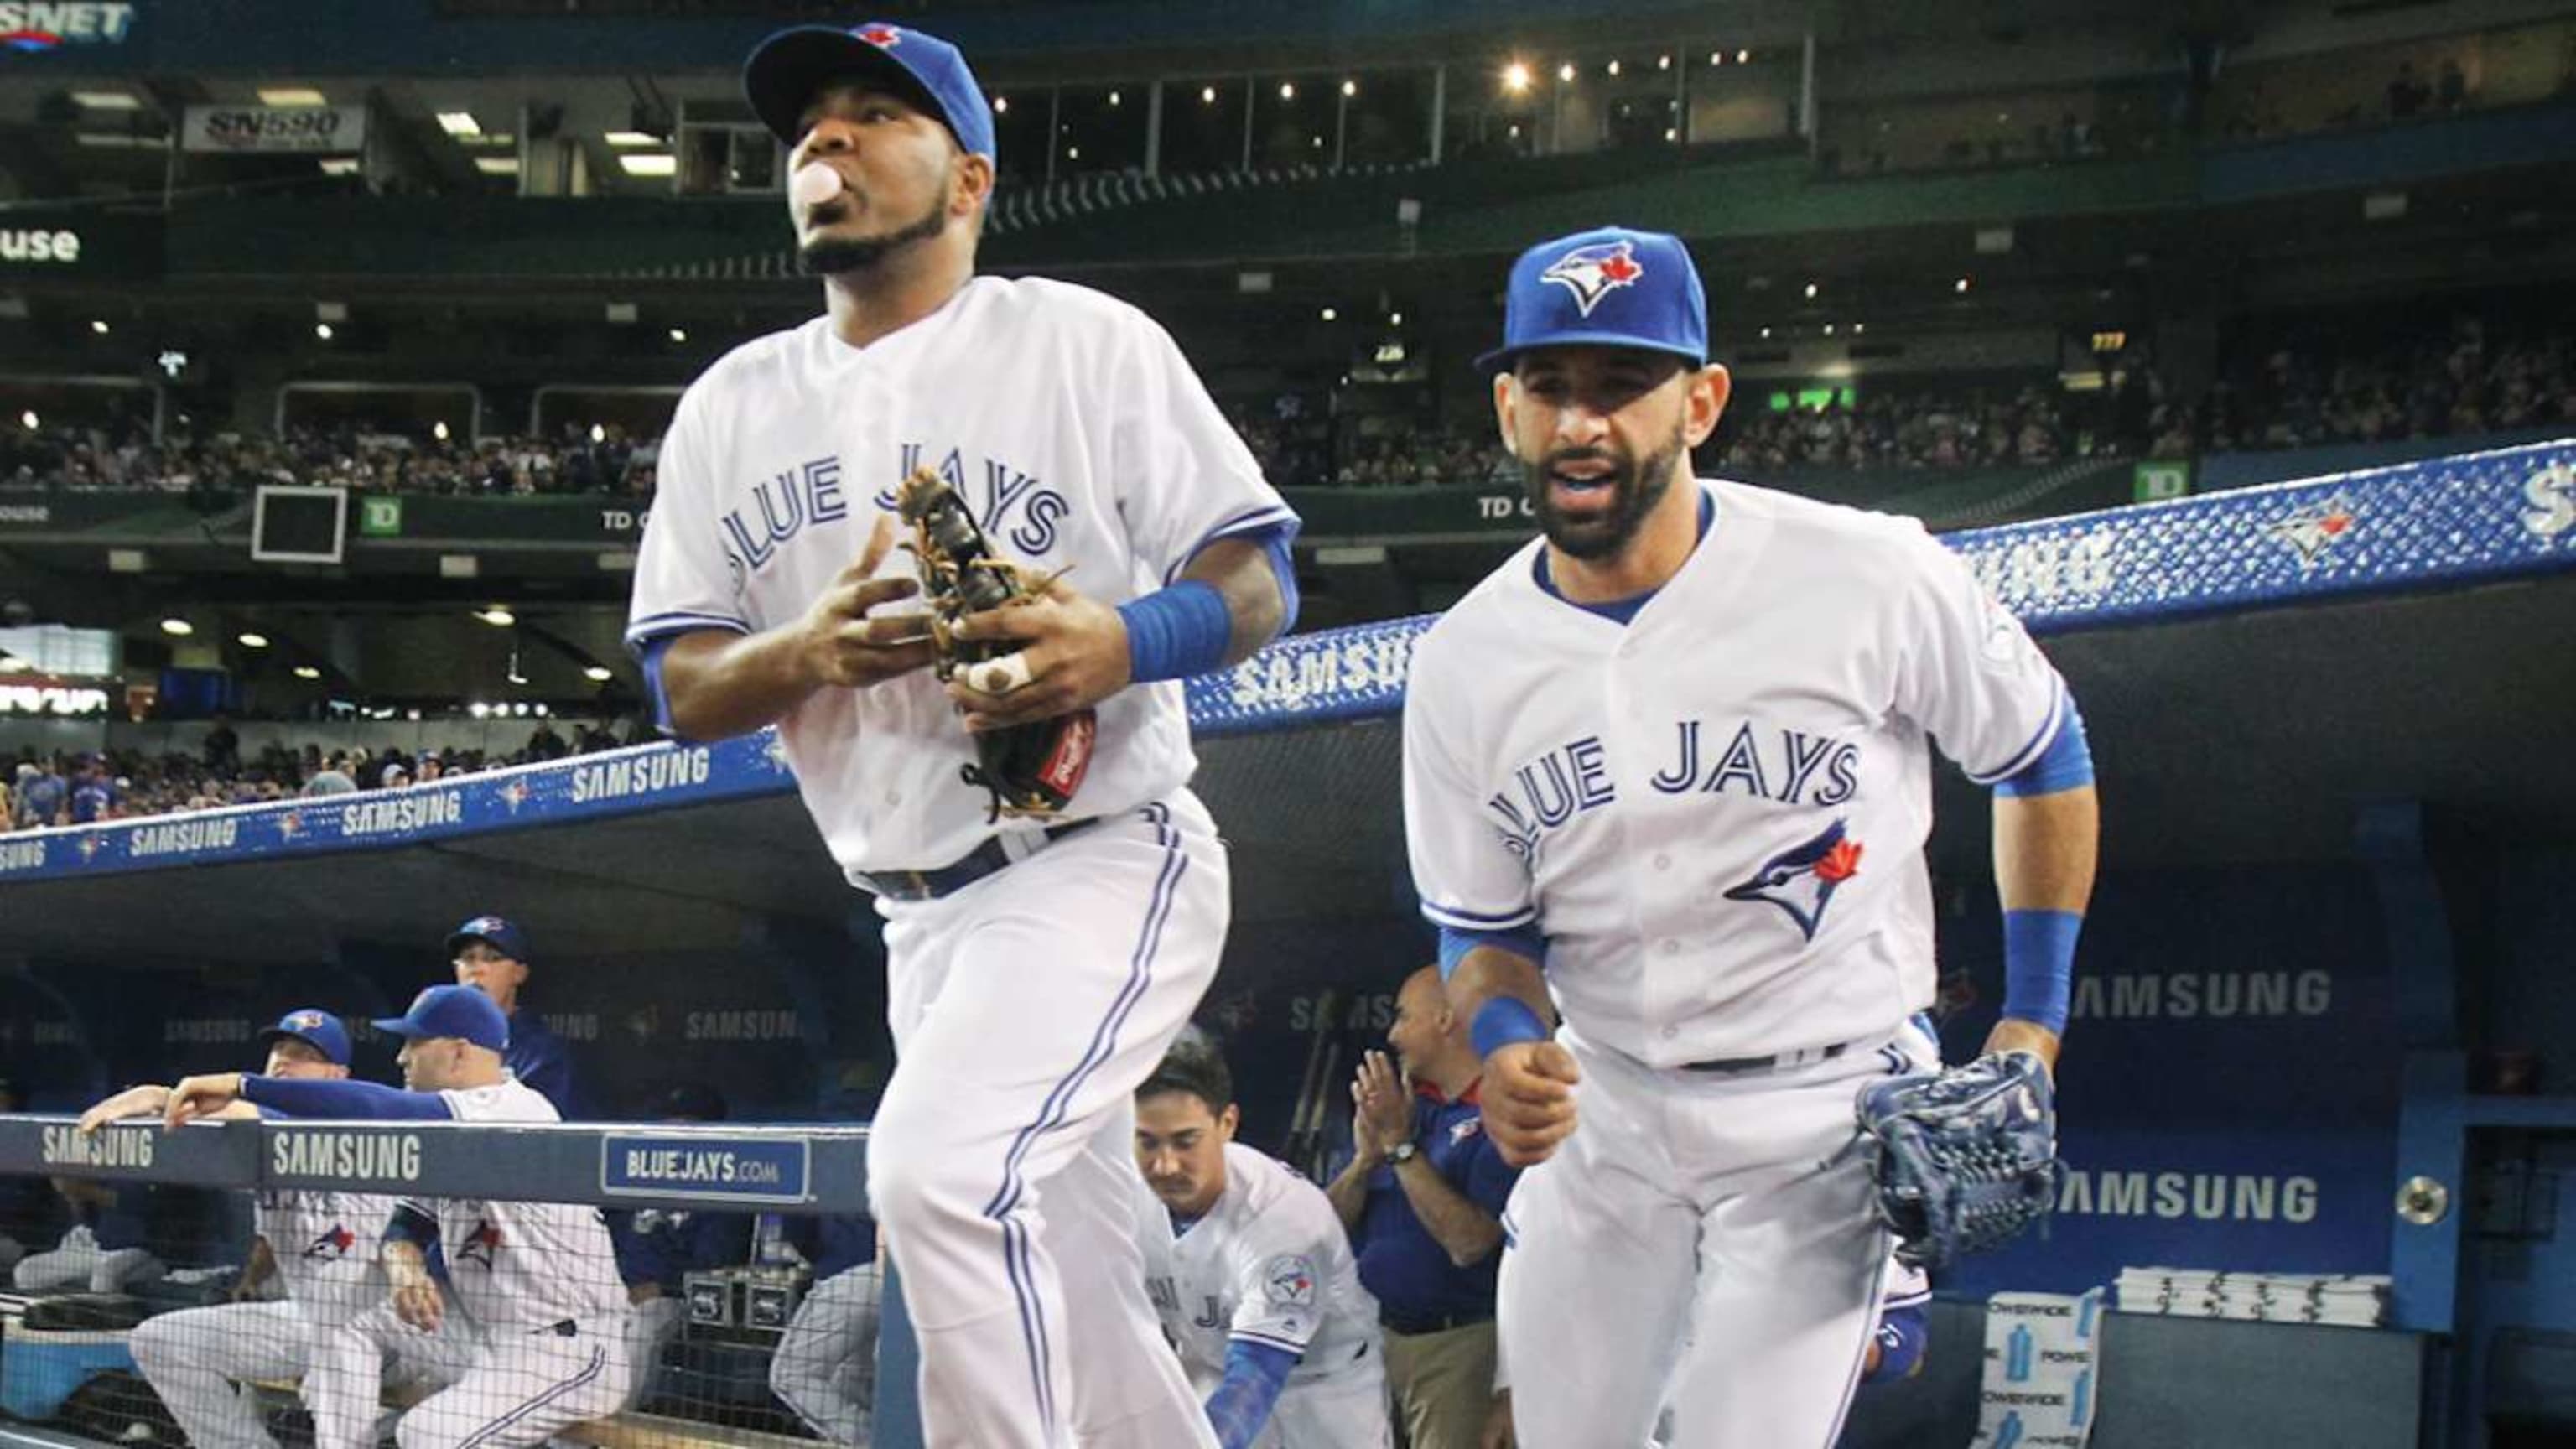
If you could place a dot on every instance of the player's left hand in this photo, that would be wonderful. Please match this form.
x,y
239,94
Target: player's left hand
x,y
197,1097
1076,648
1383,1101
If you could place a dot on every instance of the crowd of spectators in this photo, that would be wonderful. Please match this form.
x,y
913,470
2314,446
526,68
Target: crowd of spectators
x,y
63,788
367,459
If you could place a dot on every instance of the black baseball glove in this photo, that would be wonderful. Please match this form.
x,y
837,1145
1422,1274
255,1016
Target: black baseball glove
x,y
1029,769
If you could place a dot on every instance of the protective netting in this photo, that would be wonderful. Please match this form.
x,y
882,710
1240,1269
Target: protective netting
x,y
147,1312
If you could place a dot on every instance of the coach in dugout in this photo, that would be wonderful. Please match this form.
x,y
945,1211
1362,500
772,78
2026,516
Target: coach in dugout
x,y
1423,1200
322,1245
534,1339
491,955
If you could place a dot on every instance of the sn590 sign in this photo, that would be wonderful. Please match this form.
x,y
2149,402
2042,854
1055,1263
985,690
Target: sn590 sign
x,y
275,128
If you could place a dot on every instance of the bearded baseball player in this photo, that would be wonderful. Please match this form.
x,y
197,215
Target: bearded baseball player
x,y
322,1246
1046,936
1667,785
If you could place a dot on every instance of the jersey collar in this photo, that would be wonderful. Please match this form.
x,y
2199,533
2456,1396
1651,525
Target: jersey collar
x,y
1622,611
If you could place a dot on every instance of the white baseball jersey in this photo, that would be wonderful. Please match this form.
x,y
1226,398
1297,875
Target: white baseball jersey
x,y
1715,813
326,1245
524,1264
1070,425
1269,1264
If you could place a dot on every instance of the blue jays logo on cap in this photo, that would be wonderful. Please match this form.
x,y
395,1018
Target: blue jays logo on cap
x,y
317,1029
1610,287
1802,879
1594,272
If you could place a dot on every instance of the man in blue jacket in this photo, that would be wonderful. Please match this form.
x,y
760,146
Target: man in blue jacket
x,y
491,955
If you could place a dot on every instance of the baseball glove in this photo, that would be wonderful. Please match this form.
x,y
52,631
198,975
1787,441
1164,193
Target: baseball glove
x,y
1964,1159
1030,769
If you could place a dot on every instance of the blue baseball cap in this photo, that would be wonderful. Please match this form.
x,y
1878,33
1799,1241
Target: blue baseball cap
x,y
493,931
788,68
1608,288
315,1028
451,1011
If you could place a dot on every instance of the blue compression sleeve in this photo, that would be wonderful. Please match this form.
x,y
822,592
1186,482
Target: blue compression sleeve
x,y
1241,1405
1175,632
1503,1021
1901,1338
1283,565
2039,965
1520,941
2066,764
300,1098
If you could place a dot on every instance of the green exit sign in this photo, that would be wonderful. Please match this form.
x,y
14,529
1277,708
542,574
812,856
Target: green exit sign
x,y
2157,481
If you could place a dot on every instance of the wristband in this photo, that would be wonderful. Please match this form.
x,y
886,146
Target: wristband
x,y
1177,632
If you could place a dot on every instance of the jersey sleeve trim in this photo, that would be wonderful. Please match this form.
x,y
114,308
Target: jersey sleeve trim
x,y
1285,1345
1459,918
1268,515
657,626
2039,742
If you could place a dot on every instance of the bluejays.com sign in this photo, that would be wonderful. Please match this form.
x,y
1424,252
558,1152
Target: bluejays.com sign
x,y
34,27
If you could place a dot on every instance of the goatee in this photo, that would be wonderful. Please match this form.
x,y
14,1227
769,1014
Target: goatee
x,y
833,256
1636,487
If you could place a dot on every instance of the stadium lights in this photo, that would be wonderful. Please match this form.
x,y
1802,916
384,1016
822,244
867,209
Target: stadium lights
x,y
1287,90
177,628
1001,105
322,330
1672,133
1612,68
1394,319
1960,286
1115,98
1859,327
1516,77
1717,57
599,674
598,434
98,325
1350,88
479,710
1207,95
679,334
1811,291
1744,57
1565,72
249,640
632,138
28,420
285,96
107,100
459,123
540,709
497,165
1766,334
339,165
307,671
520,709
1329,314
498,616
1663,62
649,163
1829,329
438,430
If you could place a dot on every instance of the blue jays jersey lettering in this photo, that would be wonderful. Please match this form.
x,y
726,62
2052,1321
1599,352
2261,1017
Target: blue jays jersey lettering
x,y
516,1264
1715,812
782,457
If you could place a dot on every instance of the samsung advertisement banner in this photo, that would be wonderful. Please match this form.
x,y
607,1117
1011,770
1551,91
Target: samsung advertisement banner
x,y
2228,1097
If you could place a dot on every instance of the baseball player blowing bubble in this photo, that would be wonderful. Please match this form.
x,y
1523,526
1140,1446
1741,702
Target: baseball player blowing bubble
x,y
1037,967
1667,781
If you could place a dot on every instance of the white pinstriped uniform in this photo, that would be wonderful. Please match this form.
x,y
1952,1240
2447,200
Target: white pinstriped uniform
x,y
1027,1006
1715,814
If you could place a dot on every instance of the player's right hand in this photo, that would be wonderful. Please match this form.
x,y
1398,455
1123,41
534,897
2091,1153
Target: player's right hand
x,y
845,647
1528,1095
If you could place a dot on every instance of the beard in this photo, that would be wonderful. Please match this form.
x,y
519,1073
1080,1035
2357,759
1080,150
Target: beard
x,y
835,256
1635,486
